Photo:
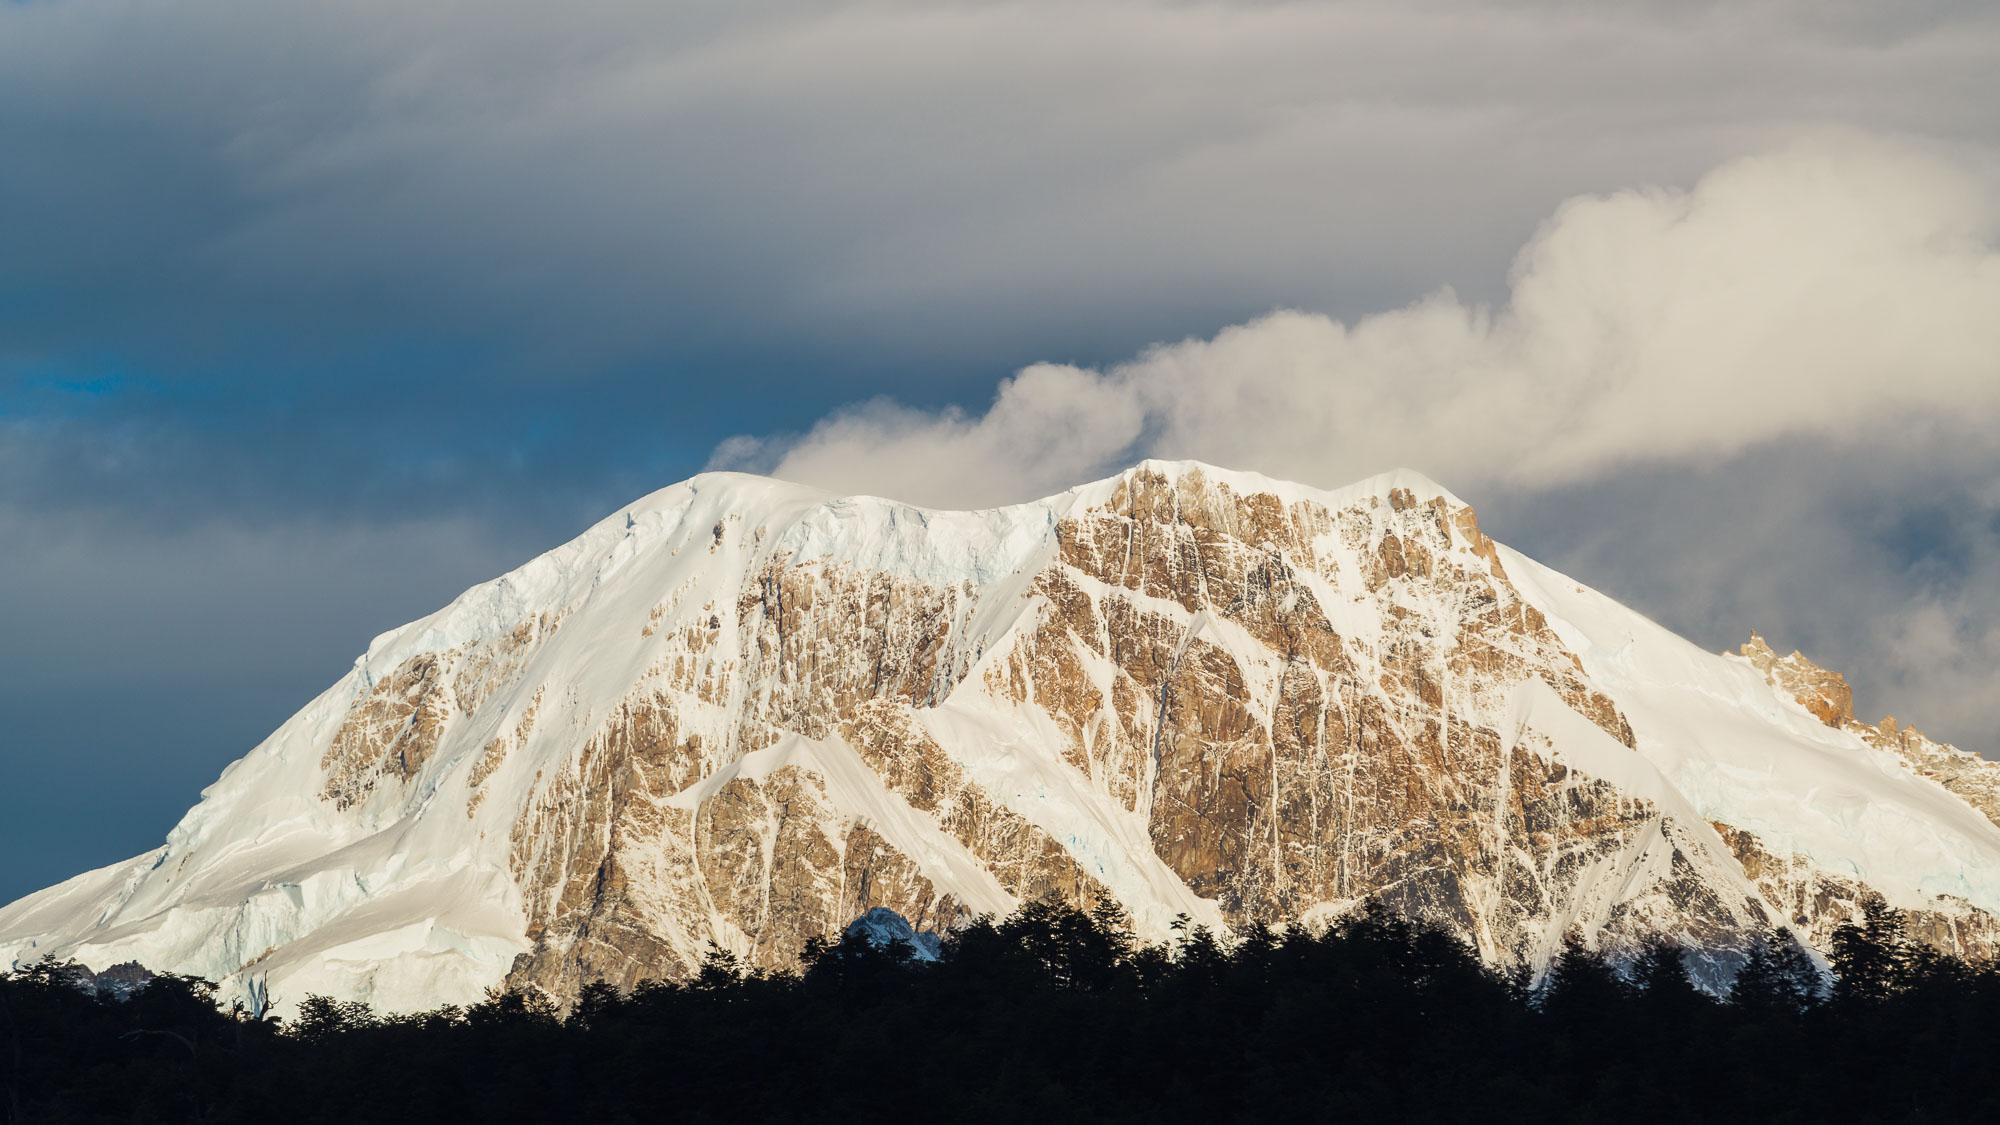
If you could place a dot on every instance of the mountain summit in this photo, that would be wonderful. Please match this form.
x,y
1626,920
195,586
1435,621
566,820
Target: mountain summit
x,y
745,712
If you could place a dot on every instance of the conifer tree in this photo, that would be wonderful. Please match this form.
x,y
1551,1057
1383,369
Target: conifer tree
x,y
1778,979
1872,959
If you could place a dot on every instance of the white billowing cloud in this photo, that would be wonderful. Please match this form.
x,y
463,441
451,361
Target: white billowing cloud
x,y
1840,284
1050,422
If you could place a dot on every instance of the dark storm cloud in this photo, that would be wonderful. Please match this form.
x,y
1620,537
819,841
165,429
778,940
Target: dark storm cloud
x,y
228,189
375,298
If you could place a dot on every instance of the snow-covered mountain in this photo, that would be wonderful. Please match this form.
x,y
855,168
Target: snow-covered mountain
x,y
747,712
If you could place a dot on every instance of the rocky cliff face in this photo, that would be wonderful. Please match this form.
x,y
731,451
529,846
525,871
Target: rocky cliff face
x,y
745,714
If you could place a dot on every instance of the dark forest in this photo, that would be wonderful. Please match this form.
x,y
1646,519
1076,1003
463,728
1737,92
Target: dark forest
x,y
1057,1014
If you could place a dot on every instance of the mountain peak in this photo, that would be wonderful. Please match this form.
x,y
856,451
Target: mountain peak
x,y
746,712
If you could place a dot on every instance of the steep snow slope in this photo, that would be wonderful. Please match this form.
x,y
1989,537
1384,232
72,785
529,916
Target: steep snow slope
x,y
748,712
1748,758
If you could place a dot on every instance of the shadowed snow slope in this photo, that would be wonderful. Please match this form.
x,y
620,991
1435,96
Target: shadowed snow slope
x,y
745,712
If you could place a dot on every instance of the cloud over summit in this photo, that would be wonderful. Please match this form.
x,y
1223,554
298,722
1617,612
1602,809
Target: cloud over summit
x,y
1839,284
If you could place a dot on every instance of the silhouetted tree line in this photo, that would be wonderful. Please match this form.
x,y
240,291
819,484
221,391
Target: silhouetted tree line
x,y
1056,1014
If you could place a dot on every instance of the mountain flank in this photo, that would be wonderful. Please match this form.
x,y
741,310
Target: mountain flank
x,y
741,713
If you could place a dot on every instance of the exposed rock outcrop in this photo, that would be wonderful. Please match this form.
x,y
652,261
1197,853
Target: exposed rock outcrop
x,y
1180,652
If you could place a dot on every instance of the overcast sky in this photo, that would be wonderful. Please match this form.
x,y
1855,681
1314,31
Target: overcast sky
x,y
313,315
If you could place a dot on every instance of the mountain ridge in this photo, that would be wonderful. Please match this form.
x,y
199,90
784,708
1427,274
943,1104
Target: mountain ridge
x,y
744,711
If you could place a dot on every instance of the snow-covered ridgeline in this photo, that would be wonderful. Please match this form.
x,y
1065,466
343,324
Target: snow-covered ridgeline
x,y
410,893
